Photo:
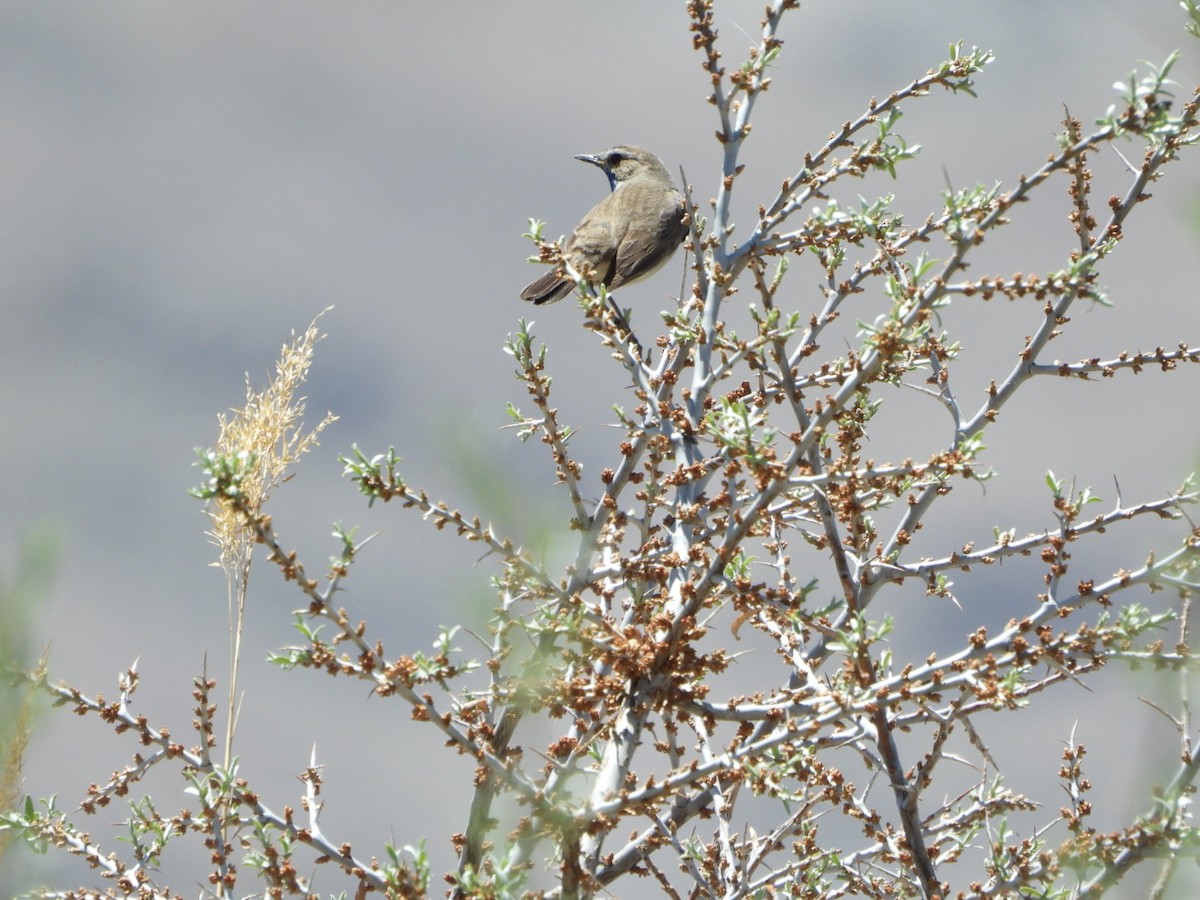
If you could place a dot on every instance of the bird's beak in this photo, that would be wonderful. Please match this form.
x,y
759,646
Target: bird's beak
x,y
589,158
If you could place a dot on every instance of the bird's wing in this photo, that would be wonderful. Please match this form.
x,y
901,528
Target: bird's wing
x,y
591,251
593,247
650,241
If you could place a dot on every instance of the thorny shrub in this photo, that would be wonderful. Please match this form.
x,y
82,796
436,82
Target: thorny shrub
x,y
746,454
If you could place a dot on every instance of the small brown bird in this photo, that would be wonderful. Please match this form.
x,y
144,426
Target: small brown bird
x,y
627,236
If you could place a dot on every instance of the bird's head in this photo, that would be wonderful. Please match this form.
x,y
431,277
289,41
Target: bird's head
x,y
625,162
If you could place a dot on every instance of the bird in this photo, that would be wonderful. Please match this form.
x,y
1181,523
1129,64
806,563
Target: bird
x,y
627,236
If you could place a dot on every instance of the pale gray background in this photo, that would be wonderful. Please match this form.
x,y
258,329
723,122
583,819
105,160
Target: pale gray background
x,y
184,184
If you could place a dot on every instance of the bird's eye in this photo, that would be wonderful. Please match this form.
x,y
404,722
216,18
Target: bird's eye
x,y
614,159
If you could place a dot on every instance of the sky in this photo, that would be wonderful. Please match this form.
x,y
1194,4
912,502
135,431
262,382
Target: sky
x,y
185,185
